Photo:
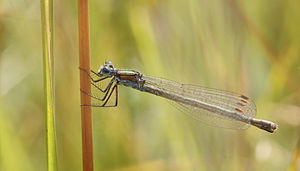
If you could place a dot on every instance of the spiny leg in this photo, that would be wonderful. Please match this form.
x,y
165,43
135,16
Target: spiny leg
x,y
106,90
90,96
103,105
109,87
97,80
116,89
91,76
110,83
116,104
95,73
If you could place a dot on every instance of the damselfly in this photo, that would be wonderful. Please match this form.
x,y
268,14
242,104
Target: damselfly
x,y
215,107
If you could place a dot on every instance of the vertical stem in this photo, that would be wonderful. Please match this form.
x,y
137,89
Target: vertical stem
x,y
48,59
84,60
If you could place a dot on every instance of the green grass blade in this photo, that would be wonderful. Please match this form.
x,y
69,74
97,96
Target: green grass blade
x,y
47,35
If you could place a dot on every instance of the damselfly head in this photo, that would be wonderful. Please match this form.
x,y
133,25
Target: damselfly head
x,y
107,69
109,64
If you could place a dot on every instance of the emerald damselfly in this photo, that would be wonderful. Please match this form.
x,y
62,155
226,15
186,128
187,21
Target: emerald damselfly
x,y
211,106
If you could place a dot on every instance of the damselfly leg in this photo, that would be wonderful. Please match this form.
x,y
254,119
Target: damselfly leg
x,y
110,88
95,81
107,87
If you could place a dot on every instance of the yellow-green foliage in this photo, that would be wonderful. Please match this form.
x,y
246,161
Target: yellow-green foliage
x,y
249,47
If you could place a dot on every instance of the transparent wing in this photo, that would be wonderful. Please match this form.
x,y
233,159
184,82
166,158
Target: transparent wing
x,y
226,101
208,117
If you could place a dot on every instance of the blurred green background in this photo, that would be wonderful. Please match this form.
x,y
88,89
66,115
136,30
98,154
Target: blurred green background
x,y
248,47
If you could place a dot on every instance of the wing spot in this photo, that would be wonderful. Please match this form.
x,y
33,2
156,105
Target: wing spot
x,y
244,101
239,110
244,97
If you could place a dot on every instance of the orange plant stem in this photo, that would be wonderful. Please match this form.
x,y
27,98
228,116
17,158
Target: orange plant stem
x,y
84,62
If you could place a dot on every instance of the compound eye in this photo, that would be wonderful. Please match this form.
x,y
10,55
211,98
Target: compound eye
x,y
109,64
105,70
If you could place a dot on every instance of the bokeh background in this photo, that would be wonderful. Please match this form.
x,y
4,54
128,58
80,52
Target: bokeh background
x,y
248,47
